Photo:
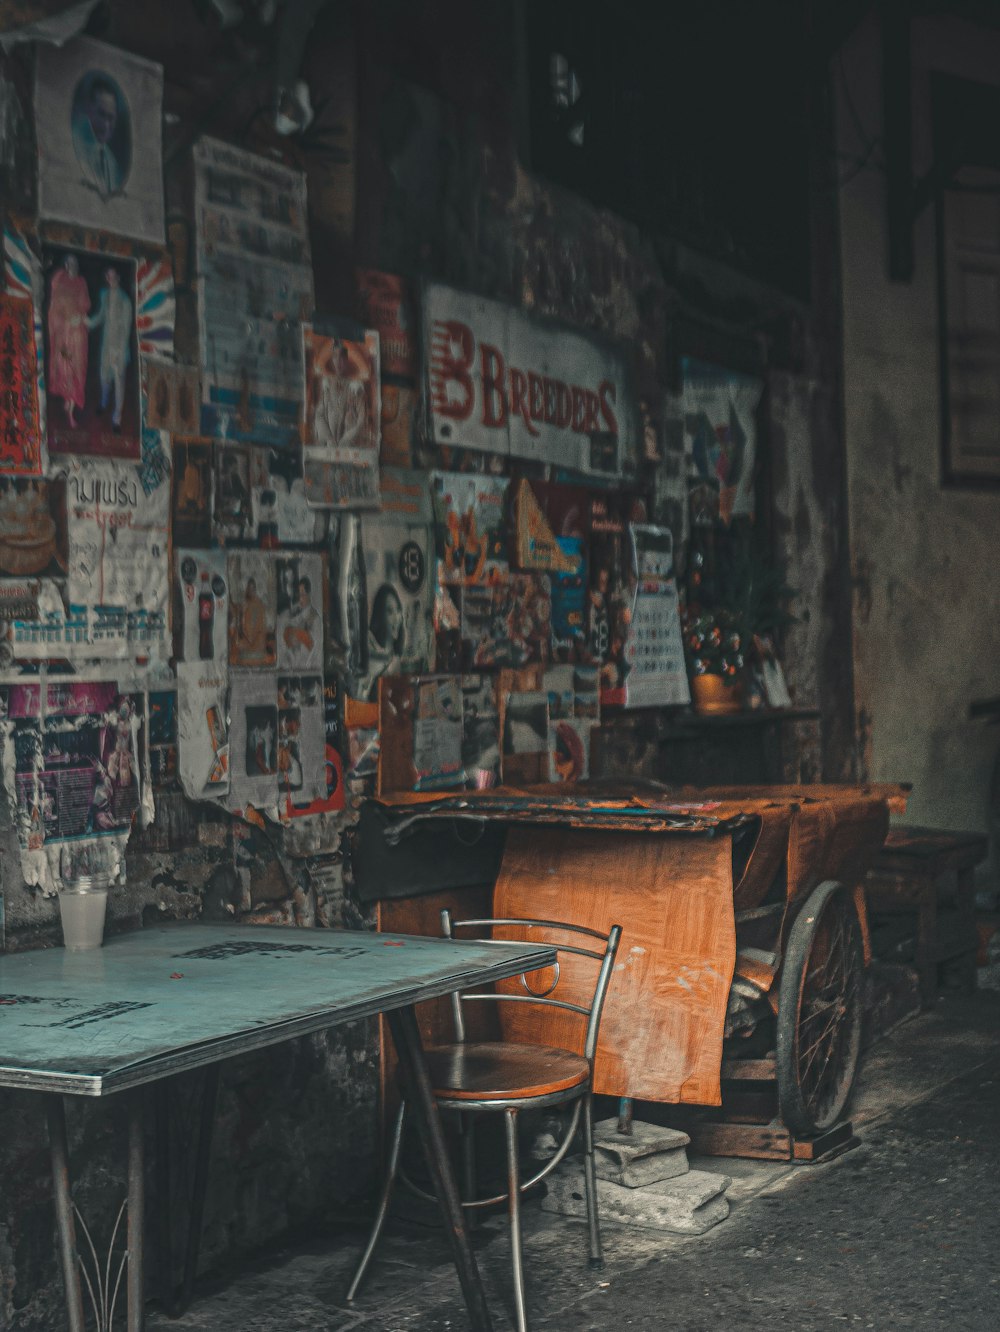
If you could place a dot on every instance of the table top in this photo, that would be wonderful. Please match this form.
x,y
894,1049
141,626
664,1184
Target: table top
x,y
175,997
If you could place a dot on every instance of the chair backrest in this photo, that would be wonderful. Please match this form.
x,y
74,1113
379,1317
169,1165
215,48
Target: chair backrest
x,y
578,984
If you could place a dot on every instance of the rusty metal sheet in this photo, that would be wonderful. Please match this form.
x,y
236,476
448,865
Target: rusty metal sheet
x,y
555,803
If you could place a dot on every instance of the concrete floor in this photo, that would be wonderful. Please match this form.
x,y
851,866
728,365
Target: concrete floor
x,y
902,1232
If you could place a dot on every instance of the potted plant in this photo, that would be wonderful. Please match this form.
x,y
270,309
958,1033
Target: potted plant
x,y
750,600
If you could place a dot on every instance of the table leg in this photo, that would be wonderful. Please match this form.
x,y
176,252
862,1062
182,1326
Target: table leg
x,y
56,1115
136,1213
406,1037
176,1299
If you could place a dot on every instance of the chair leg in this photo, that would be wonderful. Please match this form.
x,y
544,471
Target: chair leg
x,y
392,1169
590,1184
514,1204
467,1128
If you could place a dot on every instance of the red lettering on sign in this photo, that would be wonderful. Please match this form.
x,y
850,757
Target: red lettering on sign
x,y
590,412
536,397
578,402
607,390
564,410
519,398
452,350
549,390
493,373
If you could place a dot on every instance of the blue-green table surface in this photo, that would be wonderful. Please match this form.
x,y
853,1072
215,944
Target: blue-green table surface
x,y
180,996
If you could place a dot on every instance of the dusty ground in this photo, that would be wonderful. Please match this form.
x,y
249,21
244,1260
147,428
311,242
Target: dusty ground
x,y
903,1232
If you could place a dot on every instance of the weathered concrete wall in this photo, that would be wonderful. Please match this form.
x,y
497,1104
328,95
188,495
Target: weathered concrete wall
x,y
924,558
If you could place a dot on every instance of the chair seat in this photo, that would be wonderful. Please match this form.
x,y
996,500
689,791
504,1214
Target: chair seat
x,y
500,1070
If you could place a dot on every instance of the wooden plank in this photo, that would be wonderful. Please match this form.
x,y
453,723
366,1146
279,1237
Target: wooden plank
x,y
761,1142
825,1145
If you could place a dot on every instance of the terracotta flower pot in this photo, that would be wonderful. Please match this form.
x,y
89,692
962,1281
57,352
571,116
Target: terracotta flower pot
x,y
712,697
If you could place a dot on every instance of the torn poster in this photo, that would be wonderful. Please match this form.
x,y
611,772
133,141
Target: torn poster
x,y
302,775
280,510
20,429
654,671
34,559
526,738
255,288
73,774
507,623
470,514
341,424
437,733
332,797
502,381
721,438
300,580
202,728
201,606
163,737
480,732
385,589
92,382
119,544
98,120
253,740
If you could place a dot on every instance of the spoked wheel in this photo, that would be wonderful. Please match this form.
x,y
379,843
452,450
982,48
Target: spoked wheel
x,y
819,1011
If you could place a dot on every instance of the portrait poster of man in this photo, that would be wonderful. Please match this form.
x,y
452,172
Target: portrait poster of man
x,y
91,354
98,116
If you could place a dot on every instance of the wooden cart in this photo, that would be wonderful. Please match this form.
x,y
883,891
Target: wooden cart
x,y
745,932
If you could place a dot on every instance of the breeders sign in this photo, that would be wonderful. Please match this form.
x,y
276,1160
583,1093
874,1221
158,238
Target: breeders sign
x,y
498,380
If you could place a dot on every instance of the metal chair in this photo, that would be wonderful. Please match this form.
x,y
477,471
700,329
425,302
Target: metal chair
x,y
534,1070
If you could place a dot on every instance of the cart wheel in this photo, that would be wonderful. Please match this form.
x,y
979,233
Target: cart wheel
x,y
819,1011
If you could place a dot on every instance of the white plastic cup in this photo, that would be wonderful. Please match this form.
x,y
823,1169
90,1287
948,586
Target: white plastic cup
x,y
83,905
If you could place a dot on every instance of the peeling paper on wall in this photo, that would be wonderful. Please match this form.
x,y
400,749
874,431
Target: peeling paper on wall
x,y
75,763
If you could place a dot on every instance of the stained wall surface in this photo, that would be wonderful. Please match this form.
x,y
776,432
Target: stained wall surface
x,y
925,573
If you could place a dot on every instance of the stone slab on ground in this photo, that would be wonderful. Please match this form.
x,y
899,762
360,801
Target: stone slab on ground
x,y
647,1155
687,1205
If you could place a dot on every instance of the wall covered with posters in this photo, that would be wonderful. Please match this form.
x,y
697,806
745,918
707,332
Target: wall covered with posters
x,y
348,460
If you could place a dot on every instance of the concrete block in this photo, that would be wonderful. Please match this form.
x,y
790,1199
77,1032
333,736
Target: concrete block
x,y
687,1205
650,1153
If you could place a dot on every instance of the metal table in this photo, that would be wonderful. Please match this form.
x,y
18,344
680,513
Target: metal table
x,y
178,997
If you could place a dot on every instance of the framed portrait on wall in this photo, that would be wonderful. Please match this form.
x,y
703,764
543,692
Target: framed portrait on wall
x,y
98,118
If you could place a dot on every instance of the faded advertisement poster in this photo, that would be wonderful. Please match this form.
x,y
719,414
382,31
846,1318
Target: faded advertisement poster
x,y
502,381
119,544
255,287
342,416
